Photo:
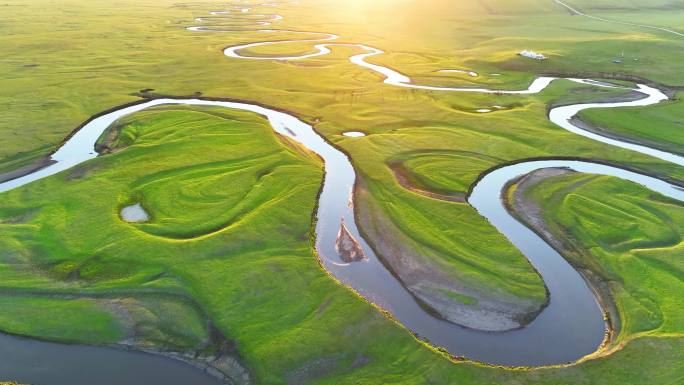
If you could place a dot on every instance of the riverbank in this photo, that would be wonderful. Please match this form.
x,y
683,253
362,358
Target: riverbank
x,y
113,321
461,303
620,261
658,127
516,198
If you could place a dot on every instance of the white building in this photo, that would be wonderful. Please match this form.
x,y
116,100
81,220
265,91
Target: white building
x,y
532,55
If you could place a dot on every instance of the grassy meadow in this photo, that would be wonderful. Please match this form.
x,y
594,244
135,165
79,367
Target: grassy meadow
x,y
267,295
660,126
228,246
631,238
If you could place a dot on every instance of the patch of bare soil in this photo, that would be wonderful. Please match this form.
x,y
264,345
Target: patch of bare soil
x,y
21,171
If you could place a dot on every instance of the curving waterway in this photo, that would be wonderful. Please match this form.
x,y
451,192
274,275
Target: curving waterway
x,y
571,327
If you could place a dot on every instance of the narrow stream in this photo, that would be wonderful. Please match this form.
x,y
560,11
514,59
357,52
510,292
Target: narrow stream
x,y
569,328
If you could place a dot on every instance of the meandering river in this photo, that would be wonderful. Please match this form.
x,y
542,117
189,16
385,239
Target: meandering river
x,y
571,327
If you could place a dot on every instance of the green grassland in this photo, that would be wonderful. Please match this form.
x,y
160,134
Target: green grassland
x,y
26,316
631,238
453,236
659,13
229,242
55,55
435,171
660,126
266,294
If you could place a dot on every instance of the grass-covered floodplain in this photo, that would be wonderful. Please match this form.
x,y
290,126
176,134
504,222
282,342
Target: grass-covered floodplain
x,y
630,239
229,238
77,246
659,126
267,295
